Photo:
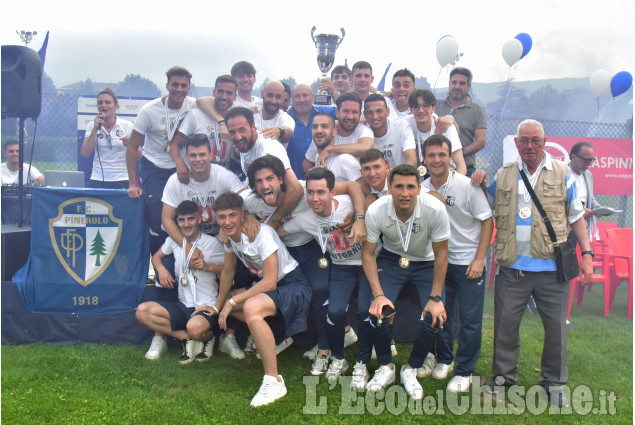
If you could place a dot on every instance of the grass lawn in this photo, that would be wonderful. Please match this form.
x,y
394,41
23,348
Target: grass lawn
x,y
100,384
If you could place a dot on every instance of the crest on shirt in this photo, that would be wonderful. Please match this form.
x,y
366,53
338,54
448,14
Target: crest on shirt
x,y
119,133
416,228
85,236
450,200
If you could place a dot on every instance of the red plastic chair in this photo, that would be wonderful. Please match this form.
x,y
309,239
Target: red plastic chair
x,y
601,248
604,277
621,241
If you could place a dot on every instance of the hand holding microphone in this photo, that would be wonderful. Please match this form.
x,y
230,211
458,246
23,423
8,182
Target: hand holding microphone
x,y
100,118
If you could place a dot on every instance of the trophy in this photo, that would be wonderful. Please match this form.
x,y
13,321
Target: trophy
x,y
326,45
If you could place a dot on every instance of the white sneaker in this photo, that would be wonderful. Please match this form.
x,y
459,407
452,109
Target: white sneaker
x,y
158,346
270,391
336,369
250,346
383,377
229,346
207,352
190,349
360,377
280,347
428,366
311,353
350,338
320,365
459,384
409,380
441,370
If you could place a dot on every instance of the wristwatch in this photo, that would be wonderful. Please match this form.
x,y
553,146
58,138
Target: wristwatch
x,y
281,132
436,298
590,252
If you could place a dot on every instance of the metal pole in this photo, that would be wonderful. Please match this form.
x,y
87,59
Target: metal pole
x,y
21,176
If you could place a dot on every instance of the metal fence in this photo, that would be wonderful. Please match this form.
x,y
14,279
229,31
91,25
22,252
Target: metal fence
x,y
56,142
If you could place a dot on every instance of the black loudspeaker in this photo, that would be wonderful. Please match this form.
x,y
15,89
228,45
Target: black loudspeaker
x,y
21,82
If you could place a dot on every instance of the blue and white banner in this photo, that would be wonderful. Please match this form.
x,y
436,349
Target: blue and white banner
x,y
89,252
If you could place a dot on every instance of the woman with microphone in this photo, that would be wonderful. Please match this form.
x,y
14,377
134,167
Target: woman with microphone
x,y
111,135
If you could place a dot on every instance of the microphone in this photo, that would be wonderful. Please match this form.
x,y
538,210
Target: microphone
x,y
101,114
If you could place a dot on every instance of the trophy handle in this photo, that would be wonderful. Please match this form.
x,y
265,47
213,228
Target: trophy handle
x,y
341,39
312,36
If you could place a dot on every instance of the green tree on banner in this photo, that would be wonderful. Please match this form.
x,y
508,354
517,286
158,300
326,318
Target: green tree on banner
x,y
98,248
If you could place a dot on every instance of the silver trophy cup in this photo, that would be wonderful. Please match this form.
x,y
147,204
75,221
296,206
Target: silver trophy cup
x,y
326,45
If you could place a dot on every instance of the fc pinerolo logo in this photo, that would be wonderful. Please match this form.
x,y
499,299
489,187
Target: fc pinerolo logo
x,y
85,236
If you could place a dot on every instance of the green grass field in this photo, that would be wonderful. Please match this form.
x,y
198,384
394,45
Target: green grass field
x,y
100,384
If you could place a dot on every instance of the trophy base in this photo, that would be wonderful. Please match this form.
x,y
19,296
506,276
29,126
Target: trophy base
x,y
323,99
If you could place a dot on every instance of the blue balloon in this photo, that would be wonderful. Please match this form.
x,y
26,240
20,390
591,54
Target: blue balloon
x,y
525,40
621,82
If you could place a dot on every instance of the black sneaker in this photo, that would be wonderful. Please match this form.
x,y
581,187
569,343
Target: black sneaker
x,y
207,352
190,349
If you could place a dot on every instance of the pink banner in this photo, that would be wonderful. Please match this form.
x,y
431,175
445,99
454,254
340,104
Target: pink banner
x,y
613,169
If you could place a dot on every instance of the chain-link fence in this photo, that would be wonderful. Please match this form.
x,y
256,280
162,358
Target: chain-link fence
x,y
56,142
498,127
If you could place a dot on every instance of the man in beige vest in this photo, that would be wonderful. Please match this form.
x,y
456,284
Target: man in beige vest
x,y
525,256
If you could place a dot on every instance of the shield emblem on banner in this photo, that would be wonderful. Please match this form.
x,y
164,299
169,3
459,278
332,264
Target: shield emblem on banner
x,y
85,236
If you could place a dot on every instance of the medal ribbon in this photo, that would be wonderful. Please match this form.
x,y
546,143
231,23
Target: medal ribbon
x,y
203,199
410,222
324,241
170,133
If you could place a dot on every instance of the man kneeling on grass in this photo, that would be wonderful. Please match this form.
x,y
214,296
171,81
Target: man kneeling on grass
x,y
282,290
194,316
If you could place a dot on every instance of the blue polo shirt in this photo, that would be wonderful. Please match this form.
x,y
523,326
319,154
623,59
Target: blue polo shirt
x,y
302,138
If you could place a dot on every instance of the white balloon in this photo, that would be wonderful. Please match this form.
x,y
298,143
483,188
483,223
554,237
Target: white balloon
x,y
447,49
599,82
512,51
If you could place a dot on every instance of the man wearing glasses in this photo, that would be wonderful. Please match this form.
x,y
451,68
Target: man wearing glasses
x,y
422,121
581,159
526,262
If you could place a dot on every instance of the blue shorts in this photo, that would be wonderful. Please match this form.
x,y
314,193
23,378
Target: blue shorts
x,y
180,314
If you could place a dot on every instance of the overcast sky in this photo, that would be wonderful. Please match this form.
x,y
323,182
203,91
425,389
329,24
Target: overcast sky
x,y
106,40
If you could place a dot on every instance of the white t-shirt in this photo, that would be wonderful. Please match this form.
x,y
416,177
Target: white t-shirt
x,y
282,119
11,177
393,107
109,163
203,193
421,137
253,203
263,147
255,101
344,166
204,289
197,122
581,186
398,139
360,131
467,206
337,244
151,122
253,254
431,224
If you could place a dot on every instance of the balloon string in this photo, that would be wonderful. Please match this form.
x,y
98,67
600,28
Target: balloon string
x,y
509,89
435,81
597,114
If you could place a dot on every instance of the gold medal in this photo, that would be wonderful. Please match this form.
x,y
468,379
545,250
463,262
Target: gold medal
x,y
217,158
422,170
205,215
185,281
525,213
323,263
404,262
